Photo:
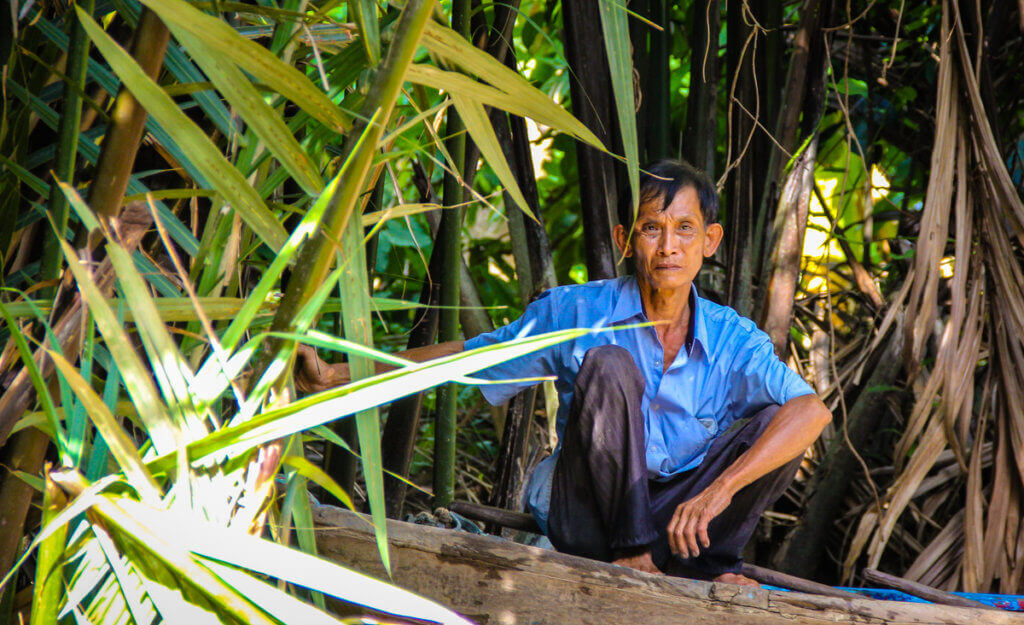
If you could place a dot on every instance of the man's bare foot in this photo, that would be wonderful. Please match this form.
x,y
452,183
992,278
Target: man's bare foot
x,y
736,578
641,562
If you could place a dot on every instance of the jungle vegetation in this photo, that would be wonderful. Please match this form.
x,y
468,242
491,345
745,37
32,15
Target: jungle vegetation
x,y
189,189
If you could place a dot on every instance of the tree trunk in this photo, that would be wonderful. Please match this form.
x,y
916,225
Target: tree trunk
x,y
803,550
699,138
398,440
650,58
592,103
785,266
805,86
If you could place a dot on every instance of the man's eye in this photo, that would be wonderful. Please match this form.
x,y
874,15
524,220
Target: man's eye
x,y
650,228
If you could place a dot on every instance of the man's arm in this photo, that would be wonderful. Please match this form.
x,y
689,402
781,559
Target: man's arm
x,y
313,375
792,430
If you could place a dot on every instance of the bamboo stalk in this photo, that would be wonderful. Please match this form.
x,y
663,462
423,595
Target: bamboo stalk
x,y
360,147
127,121
67,143
449,237
49,583
702,105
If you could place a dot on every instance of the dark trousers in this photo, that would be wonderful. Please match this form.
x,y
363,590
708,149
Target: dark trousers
x,y
602,502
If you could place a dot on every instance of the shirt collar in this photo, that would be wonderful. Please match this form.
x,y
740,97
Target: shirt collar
x,y
629,306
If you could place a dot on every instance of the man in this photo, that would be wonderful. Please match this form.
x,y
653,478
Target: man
x,y
673,437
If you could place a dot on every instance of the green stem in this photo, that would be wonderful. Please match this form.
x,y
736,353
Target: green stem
x,y
49,584
449,237
67,143
360,147
117,156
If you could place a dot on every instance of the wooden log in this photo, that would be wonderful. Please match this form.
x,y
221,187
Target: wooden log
x,y
498,516
922,591
494,581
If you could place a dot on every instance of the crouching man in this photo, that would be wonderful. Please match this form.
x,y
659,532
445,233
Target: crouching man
x,y
673,437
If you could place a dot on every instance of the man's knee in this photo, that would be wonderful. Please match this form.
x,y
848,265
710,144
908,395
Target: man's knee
x,y
609,362
759,420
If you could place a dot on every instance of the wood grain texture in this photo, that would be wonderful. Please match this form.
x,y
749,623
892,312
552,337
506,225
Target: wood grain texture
x,y
496,582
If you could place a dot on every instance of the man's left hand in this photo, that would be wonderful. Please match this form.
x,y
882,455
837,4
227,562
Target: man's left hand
x,y
688,529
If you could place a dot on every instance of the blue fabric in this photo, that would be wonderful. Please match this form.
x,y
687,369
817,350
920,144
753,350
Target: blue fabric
x,y
729,371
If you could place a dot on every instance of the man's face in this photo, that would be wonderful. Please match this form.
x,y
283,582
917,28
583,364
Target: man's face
x,y
669,246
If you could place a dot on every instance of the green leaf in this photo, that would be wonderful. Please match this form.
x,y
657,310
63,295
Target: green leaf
x,y
615,27
223,176
216,543
253,58
315,474
260,116
357,323
479,126
533,104
365,14
380,389
136,376
159,552
120,444
169,367
42,392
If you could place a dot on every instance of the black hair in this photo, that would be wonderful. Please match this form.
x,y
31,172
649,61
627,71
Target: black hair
x,y
662,180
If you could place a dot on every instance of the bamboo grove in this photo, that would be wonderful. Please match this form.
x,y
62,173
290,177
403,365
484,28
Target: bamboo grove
x,y
192,189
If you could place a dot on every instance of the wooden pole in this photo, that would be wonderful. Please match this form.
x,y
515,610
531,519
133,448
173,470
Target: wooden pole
x,y
924,592
449,237
792,582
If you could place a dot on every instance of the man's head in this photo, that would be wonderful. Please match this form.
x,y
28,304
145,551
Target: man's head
x,y
675,228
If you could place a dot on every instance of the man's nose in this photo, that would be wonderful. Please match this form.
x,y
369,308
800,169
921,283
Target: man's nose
x,y
668,244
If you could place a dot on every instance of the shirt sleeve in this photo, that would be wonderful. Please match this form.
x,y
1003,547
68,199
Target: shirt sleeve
x,y
539,317
761,379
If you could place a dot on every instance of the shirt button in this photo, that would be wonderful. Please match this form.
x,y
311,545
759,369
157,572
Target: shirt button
x,y
656,407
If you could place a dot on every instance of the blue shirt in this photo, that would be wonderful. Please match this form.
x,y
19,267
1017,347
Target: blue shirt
x,y
728,371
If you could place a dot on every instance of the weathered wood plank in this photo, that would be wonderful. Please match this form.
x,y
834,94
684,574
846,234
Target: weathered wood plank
x,y
494,581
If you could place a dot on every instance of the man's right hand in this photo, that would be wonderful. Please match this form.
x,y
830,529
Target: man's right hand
x,y
313,375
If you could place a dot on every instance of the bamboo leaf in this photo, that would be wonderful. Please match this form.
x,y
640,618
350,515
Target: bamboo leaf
x,y
170,369
223,176
260,116
267,558
160,554
540,109
120,444
403,210
253,58
380,389
365,14
315,474
357,323
42,392
479,126
278,604
620,64
135,374
520,97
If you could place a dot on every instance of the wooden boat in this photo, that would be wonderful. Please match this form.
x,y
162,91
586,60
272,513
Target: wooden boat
x,y
497,582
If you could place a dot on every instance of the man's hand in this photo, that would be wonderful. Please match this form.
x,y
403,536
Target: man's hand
x,y
688,529
313,375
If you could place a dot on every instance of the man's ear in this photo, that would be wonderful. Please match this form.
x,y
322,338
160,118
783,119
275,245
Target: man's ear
x,y
712,239
621,236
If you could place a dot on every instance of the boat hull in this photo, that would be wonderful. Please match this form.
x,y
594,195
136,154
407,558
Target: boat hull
x,y
497,582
